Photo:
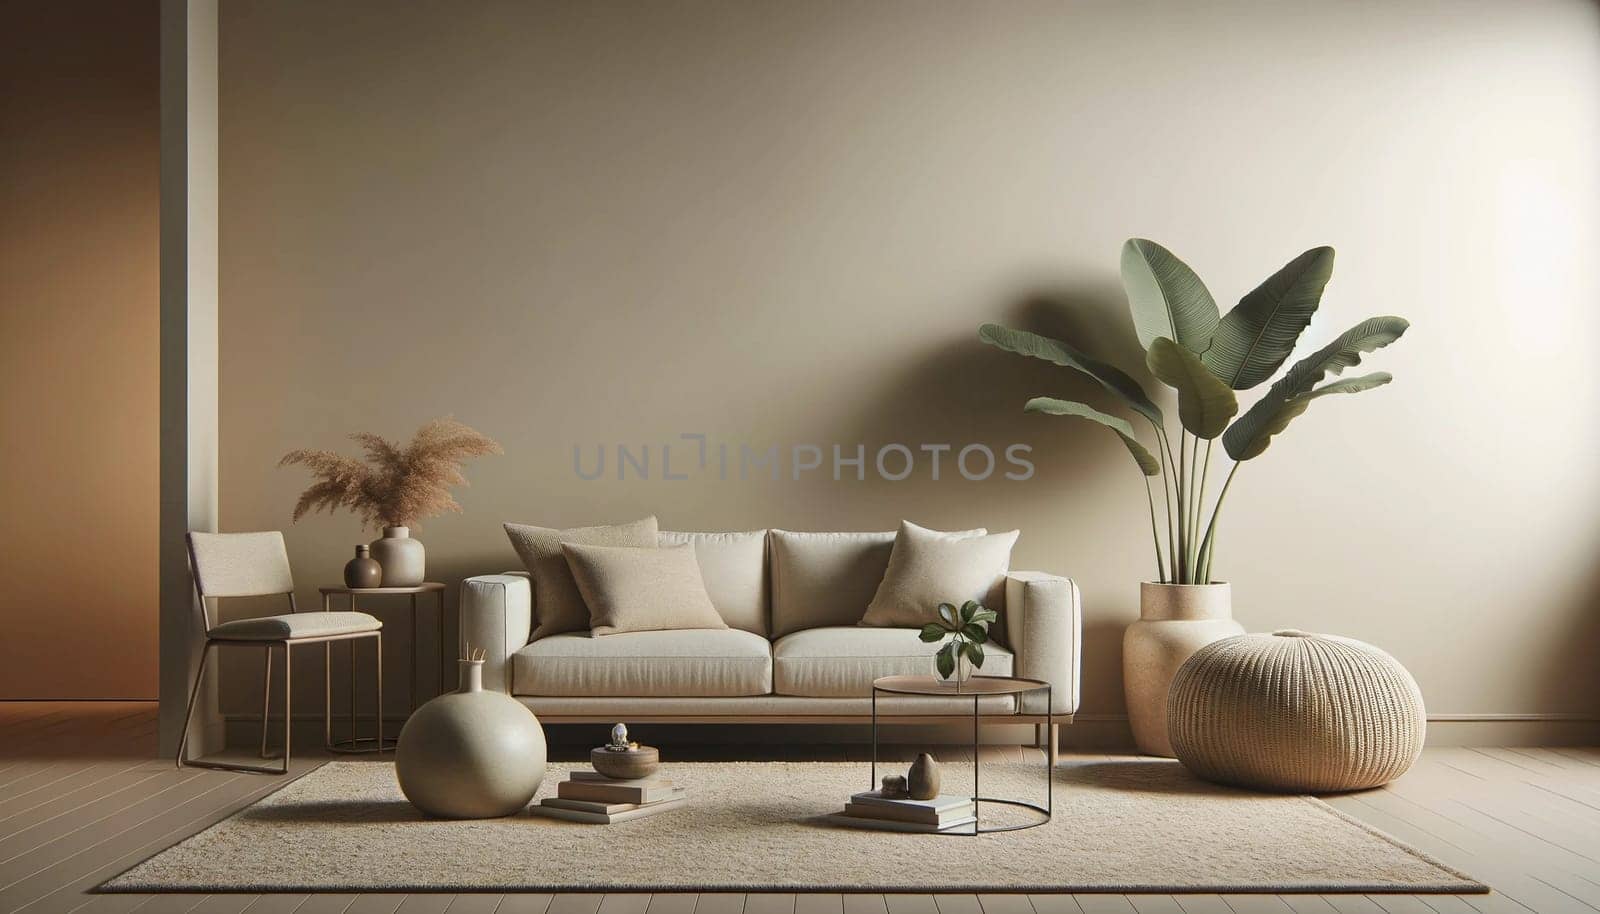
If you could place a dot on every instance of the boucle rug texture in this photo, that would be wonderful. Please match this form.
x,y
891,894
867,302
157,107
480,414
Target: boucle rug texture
x,y
1119,826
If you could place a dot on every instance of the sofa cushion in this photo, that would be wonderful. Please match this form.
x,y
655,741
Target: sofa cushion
x,y
641,590
734,569
699,663
927,568
841,661
823,579
557,605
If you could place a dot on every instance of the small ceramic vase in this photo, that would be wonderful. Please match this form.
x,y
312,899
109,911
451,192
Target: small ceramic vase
x,y
363,571
923,779
403,559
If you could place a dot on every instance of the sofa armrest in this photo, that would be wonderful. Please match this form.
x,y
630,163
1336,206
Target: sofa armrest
x,y
1044,624
496,615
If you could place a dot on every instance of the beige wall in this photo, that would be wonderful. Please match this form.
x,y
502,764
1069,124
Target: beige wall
x,y
79,168
783,223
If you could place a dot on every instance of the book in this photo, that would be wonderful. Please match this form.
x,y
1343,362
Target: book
x,y
601,818
938,804
910,814
607,808
613,792
597,777
895,825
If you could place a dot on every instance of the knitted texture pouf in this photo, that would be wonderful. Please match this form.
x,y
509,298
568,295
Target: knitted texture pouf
x,y
1292,711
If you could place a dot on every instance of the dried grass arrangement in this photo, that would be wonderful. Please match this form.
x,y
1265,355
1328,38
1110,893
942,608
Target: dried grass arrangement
x,y
392,486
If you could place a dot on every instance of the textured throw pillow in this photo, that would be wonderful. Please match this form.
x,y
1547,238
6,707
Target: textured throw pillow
x,y
641,590
557,605
927,568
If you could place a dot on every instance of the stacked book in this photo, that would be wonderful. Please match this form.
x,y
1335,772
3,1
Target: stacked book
x,y
874,810
588,796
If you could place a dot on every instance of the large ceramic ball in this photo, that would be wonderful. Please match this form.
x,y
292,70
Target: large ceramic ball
x,y
1297,712
471,755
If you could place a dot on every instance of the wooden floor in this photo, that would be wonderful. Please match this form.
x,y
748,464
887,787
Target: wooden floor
x,y
82,798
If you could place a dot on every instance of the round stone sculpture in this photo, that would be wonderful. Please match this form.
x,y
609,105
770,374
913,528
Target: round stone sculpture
x,y
1295,712
471,754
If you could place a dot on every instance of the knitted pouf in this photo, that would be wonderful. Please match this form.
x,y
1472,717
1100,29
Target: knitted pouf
x,y
1292,711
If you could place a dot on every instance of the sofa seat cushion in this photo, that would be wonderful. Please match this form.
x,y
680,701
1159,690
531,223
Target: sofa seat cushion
x,y
698,663
842,661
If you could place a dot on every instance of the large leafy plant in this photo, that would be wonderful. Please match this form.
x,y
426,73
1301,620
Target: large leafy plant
x,y
1206,356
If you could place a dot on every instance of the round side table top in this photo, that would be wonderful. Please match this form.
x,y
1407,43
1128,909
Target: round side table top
x,y
977,685
424,587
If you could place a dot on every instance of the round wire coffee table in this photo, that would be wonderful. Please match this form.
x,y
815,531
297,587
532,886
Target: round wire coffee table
x,y
976,688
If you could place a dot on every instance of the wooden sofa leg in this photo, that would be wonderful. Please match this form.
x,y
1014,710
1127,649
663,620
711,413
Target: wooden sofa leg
x,y
1055,744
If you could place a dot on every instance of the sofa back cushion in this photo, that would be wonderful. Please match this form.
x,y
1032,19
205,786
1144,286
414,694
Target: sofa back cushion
x,y
734,569
822,579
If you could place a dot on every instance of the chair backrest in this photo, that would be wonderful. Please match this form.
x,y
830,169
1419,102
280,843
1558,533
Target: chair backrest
x,y
239,565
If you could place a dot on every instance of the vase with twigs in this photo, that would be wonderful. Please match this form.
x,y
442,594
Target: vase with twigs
x,y
393,487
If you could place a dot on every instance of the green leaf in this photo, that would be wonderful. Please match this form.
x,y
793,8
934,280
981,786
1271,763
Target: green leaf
x,y
1259,333
945,660
1250,435
967,609
1056,352
1166,298
974,653
1267,425
986,615
947,613
975,633
1148,464
932,632
1205,404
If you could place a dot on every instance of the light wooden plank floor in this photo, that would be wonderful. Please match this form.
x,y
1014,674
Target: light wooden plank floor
x,y
82,798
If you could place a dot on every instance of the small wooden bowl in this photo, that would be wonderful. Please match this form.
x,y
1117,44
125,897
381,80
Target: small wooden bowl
x,y
625,766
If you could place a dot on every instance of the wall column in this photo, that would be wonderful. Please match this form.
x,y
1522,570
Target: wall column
x,y
188,348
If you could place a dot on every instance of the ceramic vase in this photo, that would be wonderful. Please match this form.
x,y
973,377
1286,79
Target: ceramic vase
x,y
363,570
403,559
472,754
922,781
1175,620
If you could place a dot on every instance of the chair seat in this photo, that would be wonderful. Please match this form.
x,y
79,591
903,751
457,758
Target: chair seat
x,y
292,626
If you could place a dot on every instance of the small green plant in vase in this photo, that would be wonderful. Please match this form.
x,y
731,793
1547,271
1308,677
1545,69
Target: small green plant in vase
x,y
964,632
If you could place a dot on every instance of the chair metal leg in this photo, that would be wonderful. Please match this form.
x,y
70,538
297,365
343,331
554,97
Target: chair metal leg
x,y
266,694
288,703
183,742
194,694
377,642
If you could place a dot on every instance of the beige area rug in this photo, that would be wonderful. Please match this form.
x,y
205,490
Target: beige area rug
x,y
1138,826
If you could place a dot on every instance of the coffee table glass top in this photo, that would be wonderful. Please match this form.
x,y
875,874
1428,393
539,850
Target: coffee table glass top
x,y
977,685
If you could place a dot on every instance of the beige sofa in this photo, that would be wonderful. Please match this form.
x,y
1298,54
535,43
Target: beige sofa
x,y
792,653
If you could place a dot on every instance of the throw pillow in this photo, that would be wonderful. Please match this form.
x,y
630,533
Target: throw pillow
x,y
641,590
557,605
927,568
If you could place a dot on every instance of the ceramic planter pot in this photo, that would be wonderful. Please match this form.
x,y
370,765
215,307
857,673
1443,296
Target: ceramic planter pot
x,y
1175,620
403,559
471,754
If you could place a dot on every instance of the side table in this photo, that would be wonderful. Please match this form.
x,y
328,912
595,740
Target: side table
x,y
355,743
975,688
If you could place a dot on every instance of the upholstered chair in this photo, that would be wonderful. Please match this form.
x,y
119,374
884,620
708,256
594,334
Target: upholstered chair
x,y
257,564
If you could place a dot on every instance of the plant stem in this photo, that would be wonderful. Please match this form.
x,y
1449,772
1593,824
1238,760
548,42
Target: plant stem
x,y
1166,476
1200,507
1180,562
1216,511
1150,499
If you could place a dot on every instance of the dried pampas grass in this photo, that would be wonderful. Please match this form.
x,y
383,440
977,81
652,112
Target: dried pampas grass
x,y
393,486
